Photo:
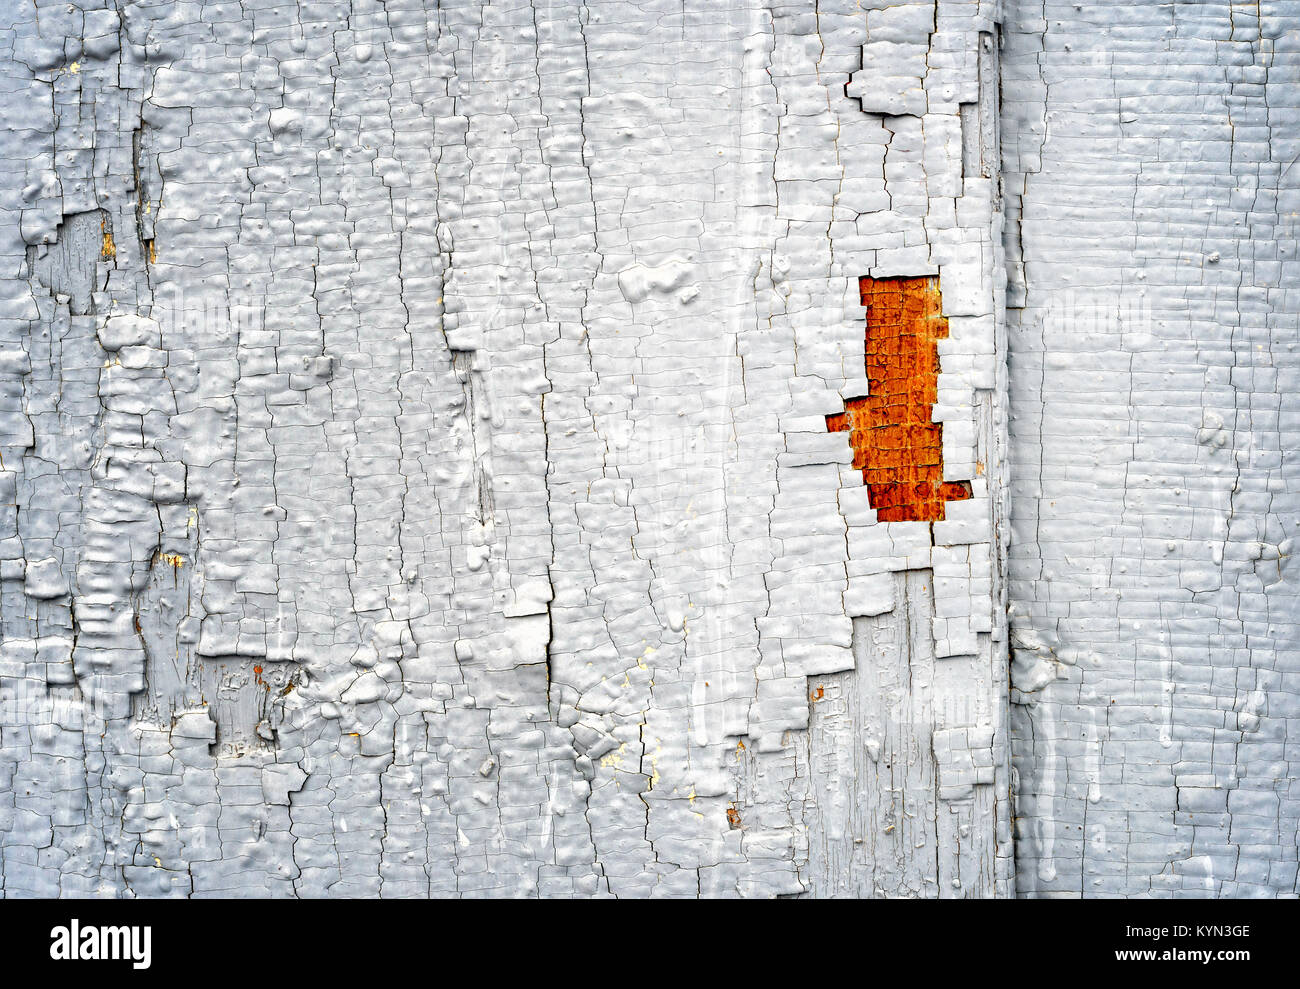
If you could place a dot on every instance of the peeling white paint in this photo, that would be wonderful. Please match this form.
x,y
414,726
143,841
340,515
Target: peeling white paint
x,y
416,480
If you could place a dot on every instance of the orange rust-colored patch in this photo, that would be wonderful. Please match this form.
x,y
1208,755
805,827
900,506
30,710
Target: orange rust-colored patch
x,y
733,817
107,249
895,445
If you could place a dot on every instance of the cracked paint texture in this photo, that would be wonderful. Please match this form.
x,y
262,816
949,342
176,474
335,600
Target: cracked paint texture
x,y
1152,195
415,477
